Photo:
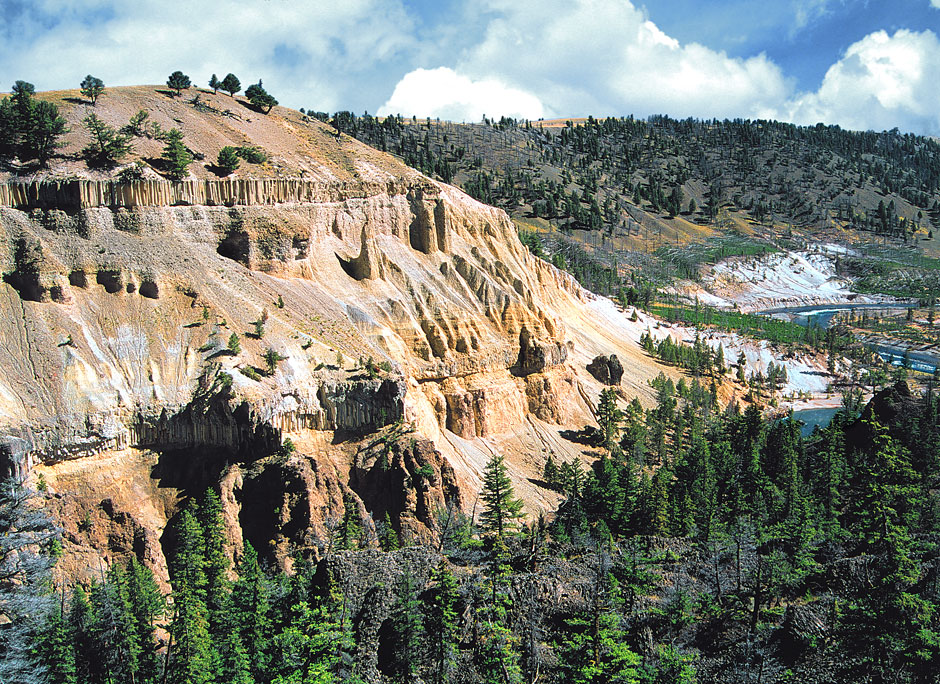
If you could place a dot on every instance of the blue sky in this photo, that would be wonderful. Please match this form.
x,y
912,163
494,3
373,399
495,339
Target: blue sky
x,y
861,64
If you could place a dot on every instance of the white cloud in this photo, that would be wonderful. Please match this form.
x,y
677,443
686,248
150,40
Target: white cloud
x,y
881,82
446,94
606,57
935,3
315,54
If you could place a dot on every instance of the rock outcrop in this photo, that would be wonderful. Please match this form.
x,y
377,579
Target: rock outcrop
x,y
182,333
606,369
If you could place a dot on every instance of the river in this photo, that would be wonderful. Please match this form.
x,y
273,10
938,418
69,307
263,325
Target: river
x,y
822,315
813,417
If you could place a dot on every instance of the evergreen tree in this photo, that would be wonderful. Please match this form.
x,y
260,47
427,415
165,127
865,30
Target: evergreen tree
x,y
228,160
147,605
107,146
215,83
260,98
116,646
179,82
45,127
501,509
55,652
407,631
82,626
350,531
192,659
609,419
216,563
388,537
92,87
176,156
250,611
596,651
440,624
27,539
231,84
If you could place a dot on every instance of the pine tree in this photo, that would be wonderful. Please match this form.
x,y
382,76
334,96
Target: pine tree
x,y
596,651
176,156
147,605
228,160
609,419
41,138
92,87
260,98
55,651
501,509
82,625
231,84
107,146
192,659
250,610
216,562
350,531
388,539
407,631
215,83
440,624
26,540
179,82
114,634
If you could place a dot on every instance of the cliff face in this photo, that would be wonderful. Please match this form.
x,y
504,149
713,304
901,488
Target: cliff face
x,y
397,332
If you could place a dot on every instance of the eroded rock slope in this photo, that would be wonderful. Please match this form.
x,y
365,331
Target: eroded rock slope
x,y
394,330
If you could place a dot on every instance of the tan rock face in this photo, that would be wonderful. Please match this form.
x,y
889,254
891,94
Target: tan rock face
x,y
200,337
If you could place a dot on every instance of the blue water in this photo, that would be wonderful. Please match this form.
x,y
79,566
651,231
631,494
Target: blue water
x,y
823,314
813,417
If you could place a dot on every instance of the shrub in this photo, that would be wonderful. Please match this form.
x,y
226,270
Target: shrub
x,y
134,172
228,160
252,155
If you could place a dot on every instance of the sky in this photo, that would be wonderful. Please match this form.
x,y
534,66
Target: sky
x,y
861,64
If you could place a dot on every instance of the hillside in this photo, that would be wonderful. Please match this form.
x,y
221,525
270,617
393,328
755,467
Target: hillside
x,y
295,146
386,325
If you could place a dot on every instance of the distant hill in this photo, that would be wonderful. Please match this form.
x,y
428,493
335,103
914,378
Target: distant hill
x,y
662,181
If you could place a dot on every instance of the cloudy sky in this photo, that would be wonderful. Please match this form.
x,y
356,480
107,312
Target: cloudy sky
x,y
863,64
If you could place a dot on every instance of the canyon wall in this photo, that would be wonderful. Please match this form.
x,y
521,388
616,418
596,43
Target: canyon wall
x,y
152,318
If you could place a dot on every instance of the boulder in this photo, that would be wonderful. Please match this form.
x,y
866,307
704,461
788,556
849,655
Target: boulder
x,y
606,369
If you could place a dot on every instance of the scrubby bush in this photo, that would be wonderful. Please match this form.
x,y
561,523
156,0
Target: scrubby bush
x,y
228,160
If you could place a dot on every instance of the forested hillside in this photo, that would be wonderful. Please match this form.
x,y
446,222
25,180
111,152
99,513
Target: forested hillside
x,y
703,545
625,176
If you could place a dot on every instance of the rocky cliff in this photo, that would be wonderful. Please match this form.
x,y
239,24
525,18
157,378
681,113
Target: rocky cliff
x,y
394,330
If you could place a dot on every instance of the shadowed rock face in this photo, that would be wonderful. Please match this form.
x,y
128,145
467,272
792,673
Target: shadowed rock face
x,y
606,369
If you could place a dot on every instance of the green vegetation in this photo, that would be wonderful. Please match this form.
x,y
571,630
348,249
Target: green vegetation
x,y
176,156
231,84
260,98
108,146
689,259
215,83
816,554
252,155
228,160
92,88
29,128
179,82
